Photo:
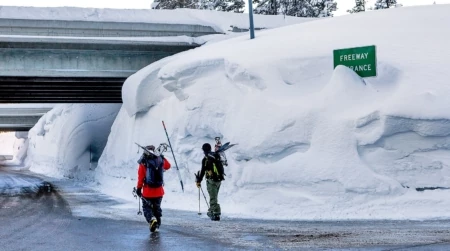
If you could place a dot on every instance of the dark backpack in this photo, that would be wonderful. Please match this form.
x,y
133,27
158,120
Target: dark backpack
x,y
217,172
154,172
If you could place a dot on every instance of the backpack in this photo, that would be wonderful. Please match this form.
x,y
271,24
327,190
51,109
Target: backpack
x,y
217,172
154,172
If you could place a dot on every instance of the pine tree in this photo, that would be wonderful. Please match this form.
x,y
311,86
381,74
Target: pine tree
x,y
324,8
384,4
236,6
298,8
222,5
175,4
211,5
360,6
267,7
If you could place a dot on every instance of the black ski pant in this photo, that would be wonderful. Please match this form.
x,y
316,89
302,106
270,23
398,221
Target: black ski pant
x,y
152,207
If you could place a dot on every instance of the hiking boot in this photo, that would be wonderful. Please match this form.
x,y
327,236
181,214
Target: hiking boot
x,y
215,217
153,224
210,215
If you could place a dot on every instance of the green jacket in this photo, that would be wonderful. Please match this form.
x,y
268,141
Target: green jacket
x,y
212,167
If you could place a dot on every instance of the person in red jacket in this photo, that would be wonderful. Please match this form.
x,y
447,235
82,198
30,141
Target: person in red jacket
x,y
150,185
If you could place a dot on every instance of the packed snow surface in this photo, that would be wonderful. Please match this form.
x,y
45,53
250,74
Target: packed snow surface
x,y
220,21
313,142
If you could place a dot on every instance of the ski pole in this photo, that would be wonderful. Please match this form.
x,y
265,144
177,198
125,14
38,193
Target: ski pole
x,y
199,213
197,178
170,145
145,200
139,210
135,196
205,197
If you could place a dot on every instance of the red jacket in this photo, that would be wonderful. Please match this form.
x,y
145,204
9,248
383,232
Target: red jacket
x,y
150,192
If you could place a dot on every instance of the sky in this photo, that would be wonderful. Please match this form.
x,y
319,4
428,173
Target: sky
x,y
343,5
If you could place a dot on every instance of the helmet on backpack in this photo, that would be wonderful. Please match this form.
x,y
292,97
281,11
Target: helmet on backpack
x,y
206,148
150,149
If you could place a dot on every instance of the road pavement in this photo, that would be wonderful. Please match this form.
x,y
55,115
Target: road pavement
x,y
43,214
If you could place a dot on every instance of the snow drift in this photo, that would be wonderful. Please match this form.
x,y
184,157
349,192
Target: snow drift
x,y
7,139
68,140
314,143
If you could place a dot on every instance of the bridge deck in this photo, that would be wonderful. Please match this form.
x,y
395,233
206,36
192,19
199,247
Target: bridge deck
x,y
60,90
75,70
20,118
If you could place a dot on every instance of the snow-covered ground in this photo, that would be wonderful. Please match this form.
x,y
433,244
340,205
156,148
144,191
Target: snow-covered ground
x,y
313,142
218,20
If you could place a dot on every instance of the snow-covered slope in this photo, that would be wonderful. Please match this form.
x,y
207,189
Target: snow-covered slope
x,y
220,21
313,142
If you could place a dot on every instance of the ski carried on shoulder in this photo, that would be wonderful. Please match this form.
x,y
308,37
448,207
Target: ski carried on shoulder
x,y
220,149
158,151
143,148
225,147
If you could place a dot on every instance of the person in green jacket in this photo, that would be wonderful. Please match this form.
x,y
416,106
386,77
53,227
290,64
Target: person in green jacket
x,y
213,169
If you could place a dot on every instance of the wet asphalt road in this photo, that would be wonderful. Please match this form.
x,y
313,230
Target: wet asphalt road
x,y
36,219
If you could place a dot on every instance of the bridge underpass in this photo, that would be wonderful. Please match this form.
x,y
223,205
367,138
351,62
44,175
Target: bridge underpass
x,y
60,90
75,70
6,157
20,119
73,61
63,61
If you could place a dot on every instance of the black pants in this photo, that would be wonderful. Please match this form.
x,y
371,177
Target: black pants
x,y
152,208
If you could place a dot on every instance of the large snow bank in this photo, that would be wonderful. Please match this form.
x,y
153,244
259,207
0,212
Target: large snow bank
x,y
13,148
7,140
314,142
15,143
220,21
68,140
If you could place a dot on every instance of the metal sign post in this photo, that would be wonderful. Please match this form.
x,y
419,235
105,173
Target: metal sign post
x,y
250,15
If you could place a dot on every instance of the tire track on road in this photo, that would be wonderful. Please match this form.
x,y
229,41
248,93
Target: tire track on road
x,y
34,215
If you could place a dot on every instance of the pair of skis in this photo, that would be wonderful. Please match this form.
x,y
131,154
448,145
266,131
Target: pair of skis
x,y
159,151
163,148
220,149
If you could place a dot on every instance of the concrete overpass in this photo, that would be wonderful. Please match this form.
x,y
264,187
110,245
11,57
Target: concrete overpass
x,y
57,61
6,157
20,119
52,70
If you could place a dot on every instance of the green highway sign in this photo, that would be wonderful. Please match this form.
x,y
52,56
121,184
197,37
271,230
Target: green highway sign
x,y
362,60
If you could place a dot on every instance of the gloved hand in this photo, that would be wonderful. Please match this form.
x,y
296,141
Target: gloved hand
x,y
198,184
139,192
